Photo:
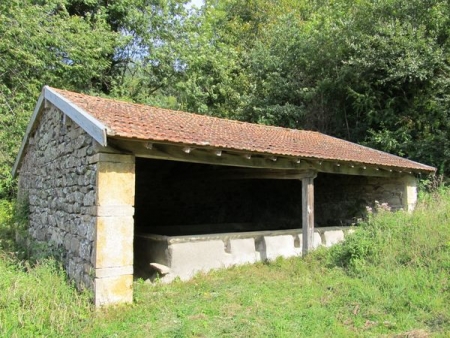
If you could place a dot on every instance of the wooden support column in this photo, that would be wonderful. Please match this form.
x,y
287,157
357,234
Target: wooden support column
x,y
307,214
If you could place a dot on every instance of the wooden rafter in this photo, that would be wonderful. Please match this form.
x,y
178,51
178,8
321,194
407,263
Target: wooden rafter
x,y
226,157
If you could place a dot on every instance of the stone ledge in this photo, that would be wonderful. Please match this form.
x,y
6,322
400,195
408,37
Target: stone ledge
x,y
115,158
207,252
333,237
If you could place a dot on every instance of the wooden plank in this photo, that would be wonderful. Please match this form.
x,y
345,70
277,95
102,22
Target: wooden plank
x,y
234,173
204,155
307,214
271,174
208,155
257,173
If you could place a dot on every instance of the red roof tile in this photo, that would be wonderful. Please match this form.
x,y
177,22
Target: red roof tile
x,y
136,121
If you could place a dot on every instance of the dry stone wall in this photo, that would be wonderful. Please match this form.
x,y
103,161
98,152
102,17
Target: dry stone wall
x,y
58,180
345,198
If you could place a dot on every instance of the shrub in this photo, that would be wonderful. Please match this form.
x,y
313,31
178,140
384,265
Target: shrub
x,y
7,232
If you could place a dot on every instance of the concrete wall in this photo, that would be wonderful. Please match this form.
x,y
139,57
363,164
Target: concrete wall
x,y
187,255
81,204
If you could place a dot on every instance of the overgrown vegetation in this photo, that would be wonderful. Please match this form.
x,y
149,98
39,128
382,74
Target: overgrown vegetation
x,y
390,278
372,72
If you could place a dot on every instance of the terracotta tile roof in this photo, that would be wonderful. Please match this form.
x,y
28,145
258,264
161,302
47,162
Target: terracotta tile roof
x,y
136,121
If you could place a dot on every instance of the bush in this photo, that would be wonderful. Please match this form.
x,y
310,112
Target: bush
x,y
391,240
7,233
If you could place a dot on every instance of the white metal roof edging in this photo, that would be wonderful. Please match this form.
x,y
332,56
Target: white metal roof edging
x,y
92,126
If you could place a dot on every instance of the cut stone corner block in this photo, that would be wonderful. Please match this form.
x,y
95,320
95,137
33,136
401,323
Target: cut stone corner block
x,y
116,183
410,193
113,290
114,242
114,235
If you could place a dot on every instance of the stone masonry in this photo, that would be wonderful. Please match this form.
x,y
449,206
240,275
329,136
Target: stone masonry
x,y
59,182
75,206
341,199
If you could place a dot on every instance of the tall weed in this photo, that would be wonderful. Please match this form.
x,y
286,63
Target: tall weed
x,y
407,258
387,239
7,225
35,297
38,300
389,278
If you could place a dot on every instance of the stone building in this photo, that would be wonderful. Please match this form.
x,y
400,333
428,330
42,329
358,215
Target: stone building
x,y
118,186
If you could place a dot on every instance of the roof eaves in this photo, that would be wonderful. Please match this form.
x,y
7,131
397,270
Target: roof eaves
x,y
410,168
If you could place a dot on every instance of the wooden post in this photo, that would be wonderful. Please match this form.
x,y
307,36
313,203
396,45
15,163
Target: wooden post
x,y
307,214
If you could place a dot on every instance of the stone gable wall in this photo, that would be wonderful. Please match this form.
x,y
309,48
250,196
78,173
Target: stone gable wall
x,y
58,179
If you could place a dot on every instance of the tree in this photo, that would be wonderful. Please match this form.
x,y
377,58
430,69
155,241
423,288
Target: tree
x,y
152,33
42,44
371,72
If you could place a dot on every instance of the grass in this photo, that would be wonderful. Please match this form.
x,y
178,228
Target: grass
x,y
389,279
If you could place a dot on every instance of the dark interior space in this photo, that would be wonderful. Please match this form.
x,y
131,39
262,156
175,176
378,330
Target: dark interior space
x,y
340,199
179,198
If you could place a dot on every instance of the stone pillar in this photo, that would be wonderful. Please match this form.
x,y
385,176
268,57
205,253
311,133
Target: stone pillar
x,y
410,193
113,245
307,214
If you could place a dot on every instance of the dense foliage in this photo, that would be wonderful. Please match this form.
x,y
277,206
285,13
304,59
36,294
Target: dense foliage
x,y
373,72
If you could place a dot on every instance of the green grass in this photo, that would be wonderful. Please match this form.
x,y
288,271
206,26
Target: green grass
x,y
389,279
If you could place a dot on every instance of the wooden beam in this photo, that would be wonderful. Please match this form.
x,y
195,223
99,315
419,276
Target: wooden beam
x,y
206,156
271,174
234,173
209,155
307,214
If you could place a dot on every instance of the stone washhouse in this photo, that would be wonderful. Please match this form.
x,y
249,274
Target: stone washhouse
x,y
127,190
